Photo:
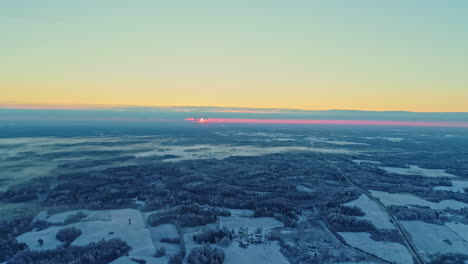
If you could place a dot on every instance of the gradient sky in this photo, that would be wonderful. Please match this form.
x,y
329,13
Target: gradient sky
x,y
367,54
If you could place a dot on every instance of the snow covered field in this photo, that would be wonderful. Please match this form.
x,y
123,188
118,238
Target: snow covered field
x,y
408,199
459,228
374,214
47,235
433,238
165,231
416,170
149,260
457,186
265,253
386,250
57,218
97,226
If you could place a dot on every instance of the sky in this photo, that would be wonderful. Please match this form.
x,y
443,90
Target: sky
x,y
299,54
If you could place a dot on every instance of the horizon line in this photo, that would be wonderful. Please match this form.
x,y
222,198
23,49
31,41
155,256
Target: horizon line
x,y
329,122
226,109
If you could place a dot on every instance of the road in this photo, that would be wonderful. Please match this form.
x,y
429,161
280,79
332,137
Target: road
x,y
408,243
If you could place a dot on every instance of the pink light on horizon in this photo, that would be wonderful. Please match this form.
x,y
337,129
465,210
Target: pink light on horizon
x,y
250,111
329,122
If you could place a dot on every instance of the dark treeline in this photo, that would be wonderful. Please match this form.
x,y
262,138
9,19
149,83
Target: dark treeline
x,y
212,236
450,259
188,214
205,255
68,235
346,223
10,228
418,213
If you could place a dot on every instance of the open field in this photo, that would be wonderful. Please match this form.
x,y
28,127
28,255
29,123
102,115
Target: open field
x,y
416,170
457,186
265,253
100,225
390,251
165,231
459,228
433,239
373,212
408,199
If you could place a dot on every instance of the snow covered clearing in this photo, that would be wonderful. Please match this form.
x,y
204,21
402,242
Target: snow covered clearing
x,y
457,186
459,228
149,260
431,238
374,213
47,235
267,253
256,253
165,231
416,170
60,218
97,226
386,250
408,199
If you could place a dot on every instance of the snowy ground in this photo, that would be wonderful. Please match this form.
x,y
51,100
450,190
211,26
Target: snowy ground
x,y
374,214
408,199
58,218
165,231
433,238
265,253
97,226
416,170
47,235
457,186
390,251
459,228
149,260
